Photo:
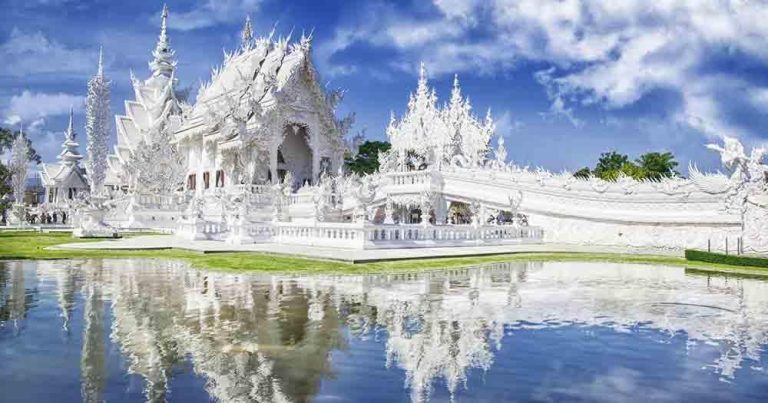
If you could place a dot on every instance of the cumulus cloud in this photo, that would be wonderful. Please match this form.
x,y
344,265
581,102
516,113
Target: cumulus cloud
x,y
27,53
31,108
606,53
209,13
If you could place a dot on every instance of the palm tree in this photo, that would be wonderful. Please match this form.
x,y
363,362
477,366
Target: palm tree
x,y
658,165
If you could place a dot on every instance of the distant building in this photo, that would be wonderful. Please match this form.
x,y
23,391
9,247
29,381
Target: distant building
x,y
63,182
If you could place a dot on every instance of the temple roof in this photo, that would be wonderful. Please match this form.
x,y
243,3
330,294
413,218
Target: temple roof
x,y
268,65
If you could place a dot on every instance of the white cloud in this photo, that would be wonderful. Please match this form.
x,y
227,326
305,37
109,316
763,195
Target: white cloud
x,y
31,108
605,52
27,53
506,124
212,12
759,98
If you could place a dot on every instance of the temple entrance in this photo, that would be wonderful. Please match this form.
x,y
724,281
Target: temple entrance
x,y
295,156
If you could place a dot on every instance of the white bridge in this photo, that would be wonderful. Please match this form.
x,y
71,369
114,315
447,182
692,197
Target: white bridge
x,y
385,211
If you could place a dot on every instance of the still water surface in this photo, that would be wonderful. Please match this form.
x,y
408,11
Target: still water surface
x,y
145,330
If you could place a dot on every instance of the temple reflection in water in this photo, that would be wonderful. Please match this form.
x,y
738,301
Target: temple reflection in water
x,y
273,338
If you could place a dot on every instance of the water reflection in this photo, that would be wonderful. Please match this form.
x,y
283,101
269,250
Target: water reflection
x,y
278,338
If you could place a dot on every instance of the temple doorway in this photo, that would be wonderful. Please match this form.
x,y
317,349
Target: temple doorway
x,y
295,156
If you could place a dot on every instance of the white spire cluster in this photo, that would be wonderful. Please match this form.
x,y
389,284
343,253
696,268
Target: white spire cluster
x,y
440,134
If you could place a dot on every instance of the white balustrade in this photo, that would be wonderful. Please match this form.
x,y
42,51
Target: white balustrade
x,y
451,234
410,178
372,236
308,198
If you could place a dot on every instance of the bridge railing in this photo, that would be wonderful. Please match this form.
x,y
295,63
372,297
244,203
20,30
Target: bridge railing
x,y
452,234
410,178
382,236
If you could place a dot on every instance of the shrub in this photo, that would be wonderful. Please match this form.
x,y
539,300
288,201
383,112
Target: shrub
x,y
719,258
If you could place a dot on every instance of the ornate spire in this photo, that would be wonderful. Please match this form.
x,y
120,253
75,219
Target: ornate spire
x,y
422,76
69,154
456,99
71,128
100,70
247,35
163,63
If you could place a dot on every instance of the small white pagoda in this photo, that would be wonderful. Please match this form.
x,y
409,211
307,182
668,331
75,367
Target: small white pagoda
x,y
66,181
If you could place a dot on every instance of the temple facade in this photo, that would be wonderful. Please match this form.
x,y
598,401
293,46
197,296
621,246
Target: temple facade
x,y
261,115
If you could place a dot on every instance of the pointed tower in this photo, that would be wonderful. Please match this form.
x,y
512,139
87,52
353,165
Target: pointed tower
x,y
164,62
246,36
149,121
69,154
97,128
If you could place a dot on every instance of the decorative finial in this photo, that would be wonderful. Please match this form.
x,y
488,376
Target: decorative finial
x,y
422,72
71,127
163,63
163,25
100,71
247,35
456,81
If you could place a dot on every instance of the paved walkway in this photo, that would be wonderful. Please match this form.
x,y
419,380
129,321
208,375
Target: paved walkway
x,y
159,242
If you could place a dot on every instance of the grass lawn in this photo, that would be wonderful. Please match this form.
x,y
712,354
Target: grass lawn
x,y
31,245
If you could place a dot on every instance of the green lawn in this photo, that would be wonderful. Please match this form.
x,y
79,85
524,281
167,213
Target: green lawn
x,y
31,245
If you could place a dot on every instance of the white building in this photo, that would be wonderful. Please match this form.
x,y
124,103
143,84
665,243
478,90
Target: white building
x,y
263,114
66,181
246,163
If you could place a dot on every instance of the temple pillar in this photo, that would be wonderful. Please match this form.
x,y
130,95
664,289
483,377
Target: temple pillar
x,y
273,165
388,213
314,148
441,211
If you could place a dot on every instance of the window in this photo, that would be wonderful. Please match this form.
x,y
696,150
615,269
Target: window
x,y
220,178
192,182
206,180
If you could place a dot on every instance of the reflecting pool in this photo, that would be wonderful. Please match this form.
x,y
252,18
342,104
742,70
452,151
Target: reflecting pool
x,y
150,330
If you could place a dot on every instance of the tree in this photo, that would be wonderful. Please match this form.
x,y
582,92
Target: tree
x,y
7,138
97,128
657,165
583,173
611,165
367,159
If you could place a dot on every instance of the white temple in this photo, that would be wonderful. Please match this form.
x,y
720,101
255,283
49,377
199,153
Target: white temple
x,y
67,181
258,157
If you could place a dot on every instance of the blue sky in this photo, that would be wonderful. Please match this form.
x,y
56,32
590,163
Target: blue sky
x,y
565,79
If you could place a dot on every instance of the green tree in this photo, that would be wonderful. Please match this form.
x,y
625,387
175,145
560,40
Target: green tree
x,y
657,165
583,173
653,165
610,164
367,159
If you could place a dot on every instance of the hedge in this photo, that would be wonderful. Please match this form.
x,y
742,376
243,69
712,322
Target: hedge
x,y
732,260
